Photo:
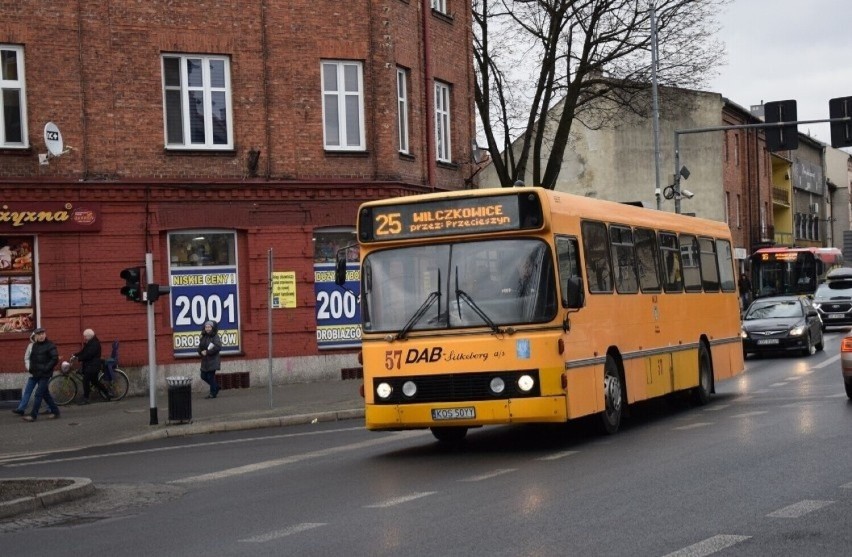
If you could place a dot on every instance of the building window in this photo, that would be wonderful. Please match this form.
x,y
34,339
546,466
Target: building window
x,y
402,106
13,104
343,106
728,208
439,6
197,102
17,282
739,212
442,121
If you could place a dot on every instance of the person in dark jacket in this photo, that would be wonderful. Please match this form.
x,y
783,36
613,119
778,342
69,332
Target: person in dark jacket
x,y
209,346
91,364
43,358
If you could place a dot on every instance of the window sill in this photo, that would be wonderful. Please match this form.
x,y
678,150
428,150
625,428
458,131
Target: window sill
x,y
348,154
16,151
201,152
442,16
448,165
406,157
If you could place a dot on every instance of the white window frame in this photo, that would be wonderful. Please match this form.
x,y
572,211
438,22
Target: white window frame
x,y
207,90
336,95
402,107
18,84
440,6
443,145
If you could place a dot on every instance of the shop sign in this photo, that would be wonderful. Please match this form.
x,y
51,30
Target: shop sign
x,y
37,216
338,310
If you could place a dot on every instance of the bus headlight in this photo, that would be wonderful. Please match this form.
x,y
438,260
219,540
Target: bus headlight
x,y
409,389
384,390
497,385
526,383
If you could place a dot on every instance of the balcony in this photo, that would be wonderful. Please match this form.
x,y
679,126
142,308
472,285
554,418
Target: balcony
x,y
780,196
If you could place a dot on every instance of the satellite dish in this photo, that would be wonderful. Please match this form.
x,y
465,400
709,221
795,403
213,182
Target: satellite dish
x,y
53,139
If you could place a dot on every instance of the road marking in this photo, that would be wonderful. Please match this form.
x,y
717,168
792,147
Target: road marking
x,y
489,475
799,509
257,466
750,414
556,456
400,500
182,447
781,384
838,395
295,529
827,362
716,408
693,426
709,546
847,486
796,378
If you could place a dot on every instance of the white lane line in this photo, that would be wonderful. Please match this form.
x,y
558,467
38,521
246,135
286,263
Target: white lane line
x,y
489,475
795,378
295,529
799,509
181,447
846,486
827,362
709,546
716,408
781,384
557,456
750,414
838,395
400,500
693,426
257,466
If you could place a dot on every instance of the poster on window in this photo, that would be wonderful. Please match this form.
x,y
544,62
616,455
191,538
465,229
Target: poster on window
x,y
338,310
199,295
17,277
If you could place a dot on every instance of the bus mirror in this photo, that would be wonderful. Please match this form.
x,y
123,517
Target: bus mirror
x,y
575,293
340,271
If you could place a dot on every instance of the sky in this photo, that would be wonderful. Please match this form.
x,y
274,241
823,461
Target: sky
x,y
787,49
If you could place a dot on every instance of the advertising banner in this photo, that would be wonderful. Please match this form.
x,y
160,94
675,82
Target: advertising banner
x,y
200,294
338,311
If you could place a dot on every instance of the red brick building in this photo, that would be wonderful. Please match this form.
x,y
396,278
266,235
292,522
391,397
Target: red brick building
x,y
208,136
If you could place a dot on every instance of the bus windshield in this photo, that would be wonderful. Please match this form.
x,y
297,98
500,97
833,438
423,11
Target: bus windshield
x,y
455,285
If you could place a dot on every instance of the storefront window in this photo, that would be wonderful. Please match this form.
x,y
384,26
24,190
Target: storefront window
x,y
338,310
17,282
328,240
202,249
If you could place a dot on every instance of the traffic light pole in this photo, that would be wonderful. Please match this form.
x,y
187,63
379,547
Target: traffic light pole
x,y
152,345
678,133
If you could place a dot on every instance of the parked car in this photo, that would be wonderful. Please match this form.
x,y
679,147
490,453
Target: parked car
x,y
782,324
846,363
833,298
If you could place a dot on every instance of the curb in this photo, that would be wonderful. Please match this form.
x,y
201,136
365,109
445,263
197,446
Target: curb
x,y
185,430
79,488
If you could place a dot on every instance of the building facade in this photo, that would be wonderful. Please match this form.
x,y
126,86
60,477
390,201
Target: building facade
x,y
232,146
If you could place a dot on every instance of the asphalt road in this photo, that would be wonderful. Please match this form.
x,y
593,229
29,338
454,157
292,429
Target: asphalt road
x,y
762,470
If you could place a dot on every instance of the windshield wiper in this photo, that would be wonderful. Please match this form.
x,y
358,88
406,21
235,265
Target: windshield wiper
x,y
462,295
421,311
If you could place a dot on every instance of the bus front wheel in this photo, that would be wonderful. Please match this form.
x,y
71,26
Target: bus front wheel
x,y
613,397
449,434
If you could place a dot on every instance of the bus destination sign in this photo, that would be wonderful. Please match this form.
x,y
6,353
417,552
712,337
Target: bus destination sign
x,y
447,217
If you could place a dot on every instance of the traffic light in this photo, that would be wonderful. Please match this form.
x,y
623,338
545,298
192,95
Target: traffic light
x,y
841,132
155,291
781,138
132,289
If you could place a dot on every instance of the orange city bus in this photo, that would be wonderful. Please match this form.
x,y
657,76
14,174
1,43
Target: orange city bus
x,y
523,305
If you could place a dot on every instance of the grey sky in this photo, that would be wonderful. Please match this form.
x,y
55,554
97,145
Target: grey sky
x,y
787,49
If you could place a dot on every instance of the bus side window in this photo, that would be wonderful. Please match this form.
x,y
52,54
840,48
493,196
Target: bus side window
x,y
567,258
670,256
689,254
596,251
648,259
726,265
709,265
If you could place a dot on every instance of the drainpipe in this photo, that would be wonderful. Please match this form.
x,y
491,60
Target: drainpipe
x,y
430,94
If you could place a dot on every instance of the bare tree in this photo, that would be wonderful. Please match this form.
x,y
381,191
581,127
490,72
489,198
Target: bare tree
x,y
587,61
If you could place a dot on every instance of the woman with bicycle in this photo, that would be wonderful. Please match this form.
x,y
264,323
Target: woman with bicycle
x,y
91,364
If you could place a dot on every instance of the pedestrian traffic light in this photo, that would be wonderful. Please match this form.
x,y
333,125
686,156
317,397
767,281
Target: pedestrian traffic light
x,y
841,132
132,289
155,291
781,138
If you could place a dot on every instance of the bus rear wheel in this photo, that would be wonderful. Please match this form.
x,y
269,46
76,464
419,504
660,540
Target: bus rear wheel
x,y
451,434
701,393
613,397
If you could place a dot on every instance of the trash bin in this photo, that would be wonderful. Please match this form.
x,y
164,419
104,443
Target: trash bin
x,y
180,398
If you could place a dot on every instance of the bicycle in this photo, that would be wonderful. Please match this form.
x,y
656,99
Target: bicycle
x,y
64,386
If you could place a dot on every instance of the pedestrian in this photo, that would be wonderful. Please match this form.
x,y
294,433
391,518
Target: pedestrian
x,y
31,381
209,346
91,364
43,358
745,291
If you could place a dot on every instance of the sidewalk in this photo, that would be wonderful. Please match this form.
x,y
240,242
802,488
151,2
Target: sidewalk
x,y
103,423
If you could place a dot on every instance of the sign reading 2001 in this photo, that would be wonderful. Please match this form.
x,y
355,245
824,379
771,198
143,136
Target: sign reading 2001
x,y
204,295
